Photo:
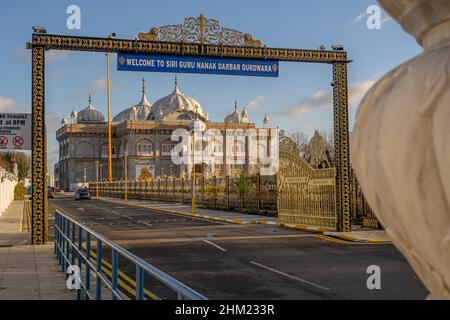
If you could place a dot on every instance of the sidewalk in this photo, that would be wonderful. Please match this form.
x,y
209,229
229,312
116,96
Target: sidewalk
x,y
9,227
364,236
186,210
27,272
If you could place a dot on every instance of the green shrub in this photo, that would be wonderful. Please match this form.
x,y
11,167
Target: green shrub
x,y
19,192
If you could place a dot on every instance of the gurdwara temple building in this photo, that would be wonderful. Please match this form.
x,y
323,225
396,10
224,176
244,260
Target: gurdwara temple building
x,y
143,133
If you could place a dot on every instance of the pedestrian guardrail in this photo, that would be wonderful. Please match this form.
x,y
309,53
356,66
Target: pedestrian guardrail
x,y
73,247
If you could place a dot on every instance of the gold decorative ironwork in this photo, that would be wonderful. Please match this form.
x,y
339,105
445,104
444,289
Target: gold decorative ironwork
x,y
58,42
200,30
305,195
39,183
208,41
341,137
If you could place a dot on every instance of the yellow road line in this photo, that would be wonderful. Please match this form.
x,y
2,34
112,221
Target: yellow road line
x,y
327,238
129,289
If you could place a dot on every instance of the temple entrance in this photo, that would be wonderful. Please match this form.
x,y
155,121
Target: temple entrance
x,y
202,42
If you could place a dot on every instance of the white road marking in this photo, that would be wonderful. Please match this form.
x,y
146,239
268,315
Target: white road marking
x,y
290,276
215,245
147,224
81,209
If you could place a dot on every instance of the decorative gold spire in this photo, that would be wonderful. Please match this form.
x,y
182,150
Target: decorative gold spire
x,y
200,30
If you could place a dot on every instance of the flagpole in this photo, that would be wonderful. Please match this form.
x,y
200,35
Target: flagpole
x,y
108,88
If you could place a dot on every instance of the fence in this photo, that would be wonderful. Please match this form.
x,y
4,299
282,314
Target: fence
x,y
223,193
362,214
73,247
259,195
7,184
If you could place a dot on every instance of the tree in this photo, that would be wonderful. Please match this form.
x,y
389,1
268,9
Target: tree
x,y
242,185
297,142
301,141
7,160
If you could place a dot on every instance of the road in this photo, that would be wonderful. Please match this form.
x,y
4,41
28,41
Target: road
x,y
226,261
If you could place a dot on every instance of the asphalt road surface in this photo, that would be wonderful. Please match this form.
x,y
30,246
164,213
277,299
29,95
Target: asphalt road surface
x,y
226,261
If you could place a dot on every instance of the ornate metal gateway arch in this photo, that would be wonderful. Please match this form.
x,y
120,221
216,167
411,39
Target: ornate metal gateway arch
x,y
199,37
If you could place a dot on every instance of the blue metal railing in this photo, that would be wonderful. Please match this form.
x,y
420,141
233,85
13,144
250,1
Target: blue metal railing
x,y
73,247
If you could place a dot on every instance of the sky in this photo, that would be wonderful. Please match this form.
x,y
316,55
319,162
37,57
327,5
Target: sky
x,y
299,100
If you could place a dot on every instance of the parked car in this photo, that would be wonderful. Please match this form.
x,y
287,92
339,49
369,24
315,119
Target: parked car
x,y
50,193
82,194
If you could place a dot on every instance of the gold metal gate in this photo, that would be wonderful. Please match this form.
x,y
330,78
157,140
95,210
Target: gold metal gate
x,y
305,195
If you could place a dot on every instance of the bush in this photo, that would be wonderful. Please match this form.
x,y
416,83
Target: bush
x,y
19,192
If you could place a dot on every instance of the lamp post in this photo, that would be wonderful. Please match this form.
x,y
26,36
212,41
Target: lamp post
x,y
101,171
198,126
126,175
193,204
96,178
108,89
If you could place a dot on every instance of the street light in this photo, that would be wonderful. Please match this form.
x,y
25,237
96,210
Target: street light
x,y
196,126
108,89
96,178
126,174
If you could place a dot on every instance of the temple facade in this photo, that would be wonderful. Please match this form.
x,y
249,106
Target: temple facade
x,y
143,132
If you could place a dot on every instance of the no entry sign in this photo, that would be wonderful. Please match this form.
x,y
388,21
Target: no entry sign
x,y
15,131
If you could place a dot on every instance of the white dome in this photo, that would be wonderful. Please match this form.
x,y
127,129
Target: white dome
x,y
139,111
176,101
90,114
235,117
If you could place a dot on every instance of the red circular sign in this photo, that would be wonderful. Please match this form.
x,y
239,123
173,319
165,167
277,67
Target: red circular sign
x,y
3,141
18,141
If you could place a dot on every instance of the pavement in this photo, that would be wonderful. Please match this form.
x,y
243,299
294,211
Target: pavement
x,y
357,235
27,272
182,209
222,260
10,221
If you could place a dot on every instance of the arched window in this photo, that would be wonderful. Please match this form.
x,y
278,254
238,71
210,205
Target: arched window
x,y
144,148
166,147
84,150
184,116
105,150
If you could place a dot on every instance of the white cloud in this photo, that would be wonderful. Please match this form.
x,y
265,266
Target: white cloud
x,y
97,85
100,85
324,99
7,104
256,102
54,56
24,55
360,17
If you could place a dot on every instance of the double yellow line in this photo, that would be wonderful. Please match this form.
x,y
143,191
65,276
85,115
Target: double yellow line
x,y
127,284
336,240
